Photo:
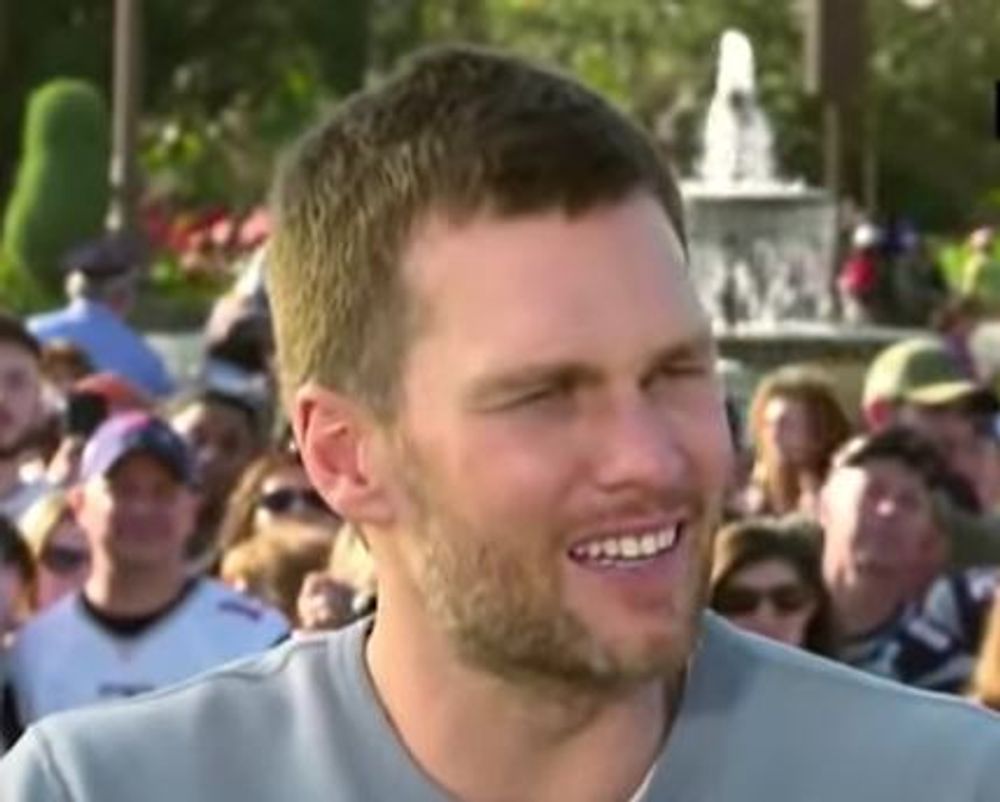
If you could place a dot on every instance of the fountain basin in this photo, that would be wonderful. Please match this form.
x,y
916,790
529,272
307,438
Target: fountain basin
x,y
761,252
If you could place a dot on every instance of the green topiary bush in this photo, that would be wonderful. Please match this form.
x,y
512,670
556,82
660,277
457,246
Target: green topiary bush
x,y
61,194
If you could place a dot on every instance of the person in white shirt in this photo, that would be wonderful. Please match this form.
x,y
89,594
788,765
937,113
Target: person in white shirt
x,y
140,622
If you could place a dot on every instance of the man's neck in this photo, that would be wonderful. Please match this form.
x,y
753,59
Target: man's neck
x,y
483,739
129,593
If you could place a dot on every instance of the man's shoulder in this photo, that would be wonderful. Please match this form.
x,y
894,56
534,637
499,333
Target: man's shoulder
x,y
284,671
832,732
257,705
809,693
55,321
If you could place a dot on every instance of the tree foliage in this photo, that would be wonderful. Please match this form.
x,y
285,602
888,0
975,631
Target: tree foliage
x,y
227,81
61,195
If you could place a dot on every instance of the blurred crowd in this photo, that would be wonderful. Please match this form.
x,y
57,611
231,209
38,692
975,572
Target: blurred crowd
x,y
150,531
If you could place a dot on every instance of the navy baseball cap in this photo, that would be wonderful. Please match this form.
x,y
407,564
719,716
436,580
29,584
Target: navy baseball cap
x,y
104,258
133,432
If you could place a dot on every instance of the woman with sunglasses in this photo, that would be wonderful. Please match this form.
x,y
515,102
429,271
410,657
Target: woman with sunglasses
x,y
273,488
58,545
766,578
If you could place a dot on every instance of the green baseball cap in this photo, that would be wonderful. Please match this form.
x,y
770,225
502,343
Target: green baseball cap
x,y
921,370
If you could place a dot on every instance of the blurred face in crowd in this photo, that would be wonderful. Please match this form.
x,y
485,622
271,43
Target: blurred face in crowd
x,y
222,440
560,451
788,432
953,432
288,494
767,597
138,516
879,526
20,398
64,562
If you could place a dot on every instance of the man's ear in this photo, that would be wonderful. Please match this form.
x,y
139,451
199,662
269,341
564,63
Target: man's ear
x,y
338,441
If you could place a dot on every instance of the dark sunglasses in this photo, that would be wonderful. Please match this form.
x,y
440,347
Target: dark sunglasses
x,y
63,559
785,599
288,498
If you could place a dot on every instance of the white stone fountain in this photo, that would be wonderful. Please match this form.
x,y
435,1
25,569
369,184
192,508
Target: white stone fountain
x,y
761,248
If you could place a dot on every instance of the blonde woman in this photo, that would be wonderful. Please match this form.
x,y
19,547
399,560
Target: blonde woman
x,y
796,423
58,546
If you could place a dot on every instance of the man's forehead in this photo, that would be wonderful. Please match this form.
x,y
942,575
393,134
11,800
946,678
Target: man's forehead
x,y
888,467
539,267
438,229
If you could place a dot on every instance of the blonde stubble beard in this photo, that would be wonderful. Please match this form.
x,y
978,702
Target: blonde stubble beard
x,y
500,606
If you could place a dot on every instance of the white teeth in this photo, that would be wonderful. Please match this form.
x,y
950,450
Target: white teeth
x,y
629,548
667,538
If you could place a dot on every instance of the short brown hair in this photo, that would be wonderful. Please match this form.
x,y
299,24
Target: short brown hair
x,y
459,131
14,332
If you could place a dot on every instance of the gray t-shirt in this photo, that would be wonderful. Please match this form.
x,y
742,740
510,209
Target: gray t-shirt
x,y
758,722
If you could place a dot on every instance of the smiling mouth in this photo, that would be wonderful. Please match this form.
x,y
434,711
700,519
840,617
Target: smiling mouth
x,y
627,551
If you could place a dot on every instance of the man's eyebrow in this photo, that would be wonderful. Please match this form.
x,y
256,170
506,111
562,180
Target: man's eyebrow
x,y
501,385
700,345
496,387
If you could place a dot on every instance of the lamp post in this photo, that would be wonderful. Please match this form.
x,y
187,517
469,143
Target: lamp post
x,y
124,177
836,50
837,71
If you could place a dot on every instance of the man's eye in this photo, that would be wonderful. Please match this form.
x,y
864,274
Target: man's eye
x,y
541,395
692,368
680,370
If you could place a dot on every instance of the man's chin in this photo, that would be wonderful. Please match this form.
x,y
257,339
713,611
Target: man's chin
x,y
646,652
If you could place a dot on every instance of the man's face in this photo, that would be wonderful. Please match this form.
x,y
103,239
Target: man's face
x,y
138,516
879,526
20,398
222,442
561,445
952,432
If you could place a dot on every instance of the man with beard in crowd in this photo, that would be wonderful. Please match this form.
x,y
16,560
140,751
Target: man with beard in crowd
x,y
21,413
498,371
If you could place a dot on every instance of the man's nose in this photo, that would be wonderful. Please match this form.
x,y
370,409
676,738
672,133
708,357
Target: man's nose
x,y
641,448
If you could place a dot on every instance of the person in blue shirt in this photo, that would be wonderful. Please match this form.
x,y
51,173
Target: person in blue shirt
x,y
100,283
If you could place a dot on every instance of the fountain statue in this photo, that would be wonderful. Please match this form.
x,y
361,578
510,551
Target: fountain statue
x,y
761,248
